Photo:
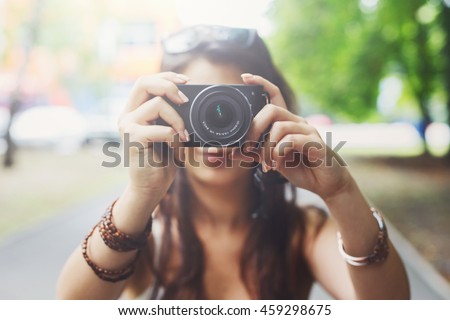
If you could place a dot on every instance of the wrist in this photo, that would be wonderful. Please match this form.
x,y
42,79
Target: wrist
x,y
144,195
134,209
354,219
344,192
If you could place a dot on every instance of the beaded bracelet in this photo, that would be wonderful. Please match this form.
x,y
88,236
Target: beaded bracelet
x,y
105,274
118,240
379,253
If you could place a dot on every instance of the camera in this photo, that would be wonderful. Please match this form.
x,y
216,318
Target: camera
x,y
219,115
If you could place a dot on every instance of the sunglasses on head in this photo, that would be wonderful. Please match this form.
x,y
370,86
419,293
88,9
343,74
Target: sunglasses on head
x,y
194,37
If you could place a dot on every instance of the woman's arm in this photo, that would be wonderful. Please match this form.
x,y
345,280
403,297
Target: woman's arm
x,y
352,216
298,152
77,280
147,185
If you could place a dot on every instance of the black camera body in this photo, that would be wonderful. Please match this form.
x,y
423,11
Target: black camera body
x,y
219,115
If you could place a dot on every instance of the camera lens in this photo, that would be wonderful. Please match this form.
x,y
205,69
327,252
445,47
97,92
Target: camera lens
x,y
219,114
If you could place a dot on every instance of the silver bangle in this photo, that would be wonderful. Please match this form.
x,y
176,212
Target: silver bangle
x,y
379,253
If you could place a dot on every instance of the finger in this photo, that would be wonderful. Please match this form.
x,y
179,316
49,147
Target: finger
x,y
310,146
162,84
179,155
158,108
268,115
155,133
274,92
245,156
281,128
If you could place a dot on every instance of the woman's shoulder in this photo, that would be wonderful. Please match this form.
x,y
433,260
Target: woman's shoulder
x,y
311,221
306,223
315,217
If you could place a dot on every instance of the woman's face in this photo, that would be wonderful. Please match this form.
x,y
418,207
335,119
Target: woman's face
x,y
211,165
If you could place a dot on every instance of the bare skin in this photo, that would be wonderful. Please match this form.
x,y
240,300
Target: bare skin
x,y
220,200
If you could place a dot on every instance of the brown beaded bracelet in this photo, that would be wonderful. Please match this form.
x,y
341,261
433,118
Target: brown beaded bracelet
x,y
105,274
118,240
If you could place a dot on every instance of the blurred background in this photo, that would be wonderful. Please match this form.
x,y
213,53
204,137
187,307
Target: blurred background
x,y
375,73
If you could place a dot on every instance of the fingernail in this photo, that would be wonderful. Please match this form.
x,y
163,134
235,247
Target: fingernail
x,y
182,77
265,168
186,133
183,96
247,75
273,164
182,136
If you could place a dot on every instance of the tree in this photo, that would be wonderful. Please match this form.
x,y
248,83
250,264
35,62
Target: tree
x,y
445,23
15,100
413,49
330,52
337,52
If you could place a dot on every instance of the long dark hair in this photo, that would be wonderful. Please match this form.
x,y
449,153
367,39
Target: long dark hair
x,y
272,263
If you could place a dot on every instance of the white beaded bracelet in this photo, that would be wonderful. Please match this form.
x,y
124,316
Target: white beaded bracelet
x,y
379,253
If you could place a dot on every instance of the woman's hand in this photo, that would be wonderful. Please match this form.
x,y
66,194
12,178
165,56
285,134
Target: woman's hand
x,y
294,148
139,131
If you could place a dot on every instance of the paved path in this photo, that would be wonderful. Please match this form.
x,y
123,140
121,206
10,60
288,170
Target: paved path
x,y
31,261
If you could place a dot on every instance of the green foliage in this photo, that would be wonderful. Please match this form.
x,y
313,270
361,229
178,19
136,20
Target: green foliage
x,y
337,51
325,46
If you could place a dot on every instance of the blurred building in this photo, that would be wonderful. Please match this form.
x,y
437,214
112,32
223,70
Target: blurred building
x,y
83,48
129,37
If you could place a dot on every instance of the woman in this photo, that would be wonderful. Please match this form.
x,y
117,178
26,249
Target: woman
x,y
220,236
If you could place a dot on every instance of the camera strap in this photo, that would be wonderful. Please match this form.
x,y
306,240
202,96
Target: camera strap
x,y
260,181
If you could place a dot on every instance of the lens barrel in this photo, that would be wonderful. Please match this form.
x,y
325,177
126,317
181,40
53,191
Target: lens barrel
x,y
220,115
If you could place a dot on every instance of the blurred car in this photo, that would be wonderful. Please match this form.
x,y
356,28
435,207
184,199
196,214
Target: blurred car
x,y
102,121
59,127
437,136
102,124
